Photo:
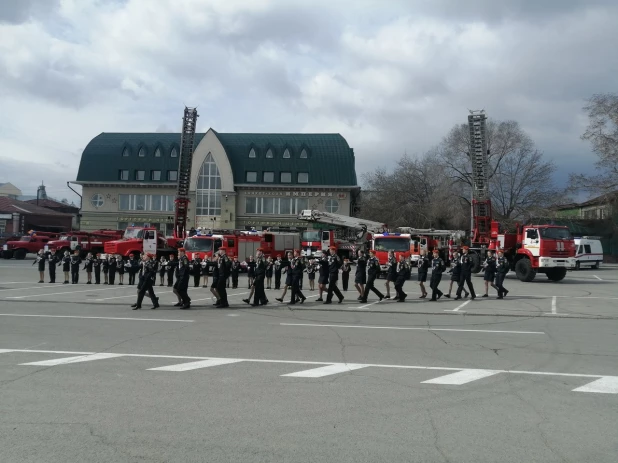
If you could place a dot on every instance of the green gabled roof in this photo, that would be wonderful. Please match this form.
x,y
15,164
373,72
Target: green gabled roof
x,y
330,159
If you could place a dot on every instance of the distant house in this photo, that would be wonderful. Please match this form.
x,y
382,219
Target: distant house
x,y
9,190
58,206
597,208
18,217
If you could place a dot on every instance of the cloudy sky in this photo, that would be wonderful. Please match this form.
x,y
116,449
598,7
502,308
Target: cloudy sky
x,y
391,76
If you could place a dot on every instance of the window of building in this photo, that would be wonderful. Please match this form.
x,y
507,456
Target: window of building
x,y
251,177
285,206
158,153
126,152
275,206
268,205
155,175
208,201
123,174
286,154
123,202
252,153
146,203
331,205
286,177
142,152
269,177
251,205
139,174
97,200
303,154
174,153
172,175
301,205
303,177
270,154
140,202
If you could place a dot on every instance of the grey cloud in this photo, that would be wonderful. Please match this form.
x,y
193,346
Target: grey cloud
x,y
20,11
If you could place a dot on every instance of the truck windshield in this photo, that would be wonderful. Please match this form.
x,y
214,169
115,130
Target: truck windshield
x,y
556,233
63,238
311,235
24,238
392,244
134,233
198,244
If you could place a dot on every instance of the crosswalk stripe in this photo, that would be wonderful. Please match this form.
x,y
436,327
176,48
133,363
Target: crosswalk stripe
x,y
462,377
4,351
196,365
605,385
76,359
327,370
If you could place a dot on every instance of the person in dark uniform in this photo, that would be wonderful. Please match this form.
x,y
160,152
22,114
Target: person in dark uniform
x,y
181,287
112,269
66,266
438,266
278,267
360,276
132,266
162,270
322,275
120,269
334,264
259,297
502,268
205,271
224,267
345,273
40,260
196,270
466,273
105,268
250,271
373,270
311,266
235,269
96,266
215,278
146,282
269,272
52,261
88,266
455,272
75,264
391,273
423,267
296,267
171,267
489,275
285,266
403,273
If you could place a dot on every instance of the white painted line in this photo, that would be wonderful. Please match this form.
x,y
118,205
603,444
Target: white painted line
x,y
459,307
327,370
123,297
73,292
95,318
605,385
411,328
597,277
196,365
77,359
366,305
41,286
4,351
462,377
554,308
211,297
233,315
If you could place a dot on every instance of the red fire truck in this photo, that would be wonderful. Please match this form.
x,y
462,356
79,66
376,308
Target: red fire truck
x,y
86,242
33,242
428,239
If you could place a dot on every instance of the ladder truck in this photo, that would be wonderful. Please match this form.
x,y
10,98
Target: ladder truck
x,y
531,249
429,239
148,239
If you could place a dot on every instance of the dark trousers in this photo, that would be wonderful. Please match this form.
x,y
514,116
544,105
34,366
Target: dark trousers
x,y
277,280
333,289
182,288
147,288
75,276
370,286
221,284
250,276
259,296
170,277
345,278
296,292
52,274
97,275
234,280
399,288
433,284
465,278
196,278
111,277
131,277
500,284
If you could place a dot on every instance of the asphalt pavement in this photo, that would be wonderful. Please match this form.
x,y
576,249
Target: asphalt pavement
x,y
531,378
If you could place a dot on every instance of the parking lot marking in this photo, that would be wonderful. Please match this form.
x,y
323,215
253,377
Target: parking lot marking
x,y
76,359
72,292
462,377
411,328
605,385
327,370
554,308
459,307
123,297
366,305
196,365
94,318
597,277
27,289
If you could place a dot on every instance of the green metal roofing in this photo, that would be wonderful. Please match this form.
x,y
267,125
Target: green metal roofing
x,y
330,159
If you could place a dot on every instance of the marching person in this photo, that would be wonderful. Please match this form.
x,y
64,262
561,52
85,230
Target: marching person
x,y
215,278
40,259
269,272
455,272
277,265
259,297
75,263
146,282
133,266
88,266
288,276
437,268
250,271
490,272
423,267
502,268
205,269
311,274
120,269
223,268
296,267
52,259
323,275
171,267
162,270
403,272
360,276
373,270
235,269
345,273
196,270
112,269
66,266
181,286
334,264
96,265
465,276
391,273
105,268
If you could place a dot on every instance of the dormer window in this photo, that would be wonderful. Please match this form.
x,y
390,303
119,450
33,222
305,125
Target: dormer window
x,y
286,154
126,152
158,153
303,154
174,153
252,153
142,152
269,153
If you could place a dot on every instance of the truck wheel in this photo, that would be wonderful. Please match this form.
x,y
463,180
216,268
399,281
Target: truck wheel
x,y
7,254
524,270
476,262
20,254
577,265
556,274
597,265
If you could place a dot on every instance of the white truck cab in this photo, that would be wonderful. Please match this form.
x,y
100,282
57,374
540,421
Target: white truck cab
x,y
588,252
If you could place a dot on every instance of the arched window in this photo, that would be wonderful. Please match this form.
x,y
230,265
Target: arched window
x,y
174,152
208,191
142,152
252,153
158,152
270,154
303,154
126,152
286,154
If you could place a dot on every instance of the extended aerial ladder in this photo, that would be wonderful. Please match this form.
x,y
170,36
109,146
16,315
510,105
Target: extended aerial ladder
x,y
187,145
361,225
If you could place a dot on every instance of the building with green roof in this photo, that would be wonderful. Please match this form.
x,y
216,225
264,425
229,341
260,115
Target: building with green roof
x,y
238,180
